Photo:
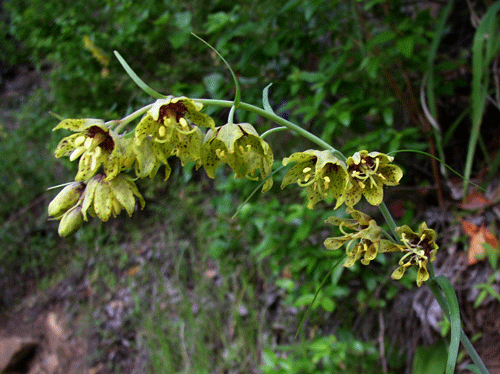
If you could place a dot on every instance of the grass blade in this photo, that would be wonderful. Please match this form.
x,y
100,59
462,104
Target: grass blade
x,y
454,318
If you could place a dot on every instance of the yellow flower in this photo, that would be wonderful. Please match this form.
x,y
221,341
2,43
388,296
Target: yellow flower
x,y
319,172
368,173
170,127
94,144
364,241
420,248
241,147
105,198
66,199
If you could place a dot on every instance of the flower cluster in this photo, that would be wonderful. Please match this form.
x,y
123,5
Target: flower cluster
x,y
172,127
98,197
363,174
419,249
169,127
365,241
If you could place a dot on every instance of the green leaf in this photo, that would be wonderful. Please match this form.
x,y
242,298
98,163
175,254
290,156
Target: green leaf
x,y
265,99
405,46
454,310
143,86
430,359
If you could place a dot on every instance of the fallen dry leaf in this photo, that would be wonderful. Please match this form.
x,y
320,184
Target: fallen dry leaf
x,y
478,236
475,200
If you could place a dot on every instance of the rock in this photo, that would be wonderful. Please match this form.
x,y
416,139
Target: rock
x,y
55,332
15,351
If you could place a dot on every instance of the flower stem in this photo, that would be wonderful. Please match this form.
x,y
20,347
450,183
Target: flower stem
x,y
390,221
277,119
125,120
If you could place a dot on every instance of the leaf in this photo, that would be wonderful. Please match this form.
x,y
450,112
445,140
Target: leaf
x,y
143,86
405,46
475,200
479,236
265,99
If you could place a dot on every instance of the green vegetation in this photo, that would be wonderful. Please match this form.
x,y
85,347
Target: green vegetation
x,y
206,291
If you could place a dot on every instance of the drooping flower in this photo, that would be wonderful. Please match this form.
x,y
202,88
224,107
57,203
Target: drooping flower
x,y
105,198
368,173
99,197
241,147
420,248
95,144
170,127
364,240
319,172
66,199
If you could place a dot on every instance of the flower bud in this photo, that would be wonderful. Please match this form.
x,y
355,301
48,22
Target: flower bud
x,y
66,199
71,222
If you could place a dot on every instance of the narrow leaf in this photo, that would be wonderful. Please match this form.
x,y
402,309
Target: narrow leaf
x,y
143,86
265,99
451,298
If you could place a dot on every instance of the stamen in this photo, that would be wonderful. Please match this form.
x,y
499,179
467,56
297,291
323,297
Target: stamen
x,y
162,131
220,153
79,141
184,124
306,170
76,153
88,143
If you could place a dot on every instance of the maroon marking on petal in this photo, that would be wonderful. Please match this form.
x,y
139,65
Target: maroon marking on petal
x,y
108,144
178,109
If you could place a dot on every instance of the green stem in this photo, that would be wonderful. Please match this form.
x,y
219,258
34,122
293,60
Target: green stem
x,y
125,120
433,286
388,218
272,131
277,119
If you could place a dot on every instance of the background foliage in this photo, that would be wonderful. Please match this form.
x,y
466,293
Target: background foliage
x,y
350,72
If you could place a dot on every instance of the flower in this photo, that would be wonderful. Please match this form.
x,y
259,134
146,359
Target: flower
x,y
104,198
420,248
319,172
98,197
241,147
71,221
66,199
170,127
366,233
368,173
95,144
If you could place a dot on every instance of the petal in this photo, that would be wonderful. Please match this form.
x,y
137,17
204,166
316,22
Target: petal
x,y
123,193
85,170
145,158
66,146
388,246
398,273
88,196
391,173
352,196
145,128
78,124
422,275
374,194
301,157
296,172
335,243
103,201
228,134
